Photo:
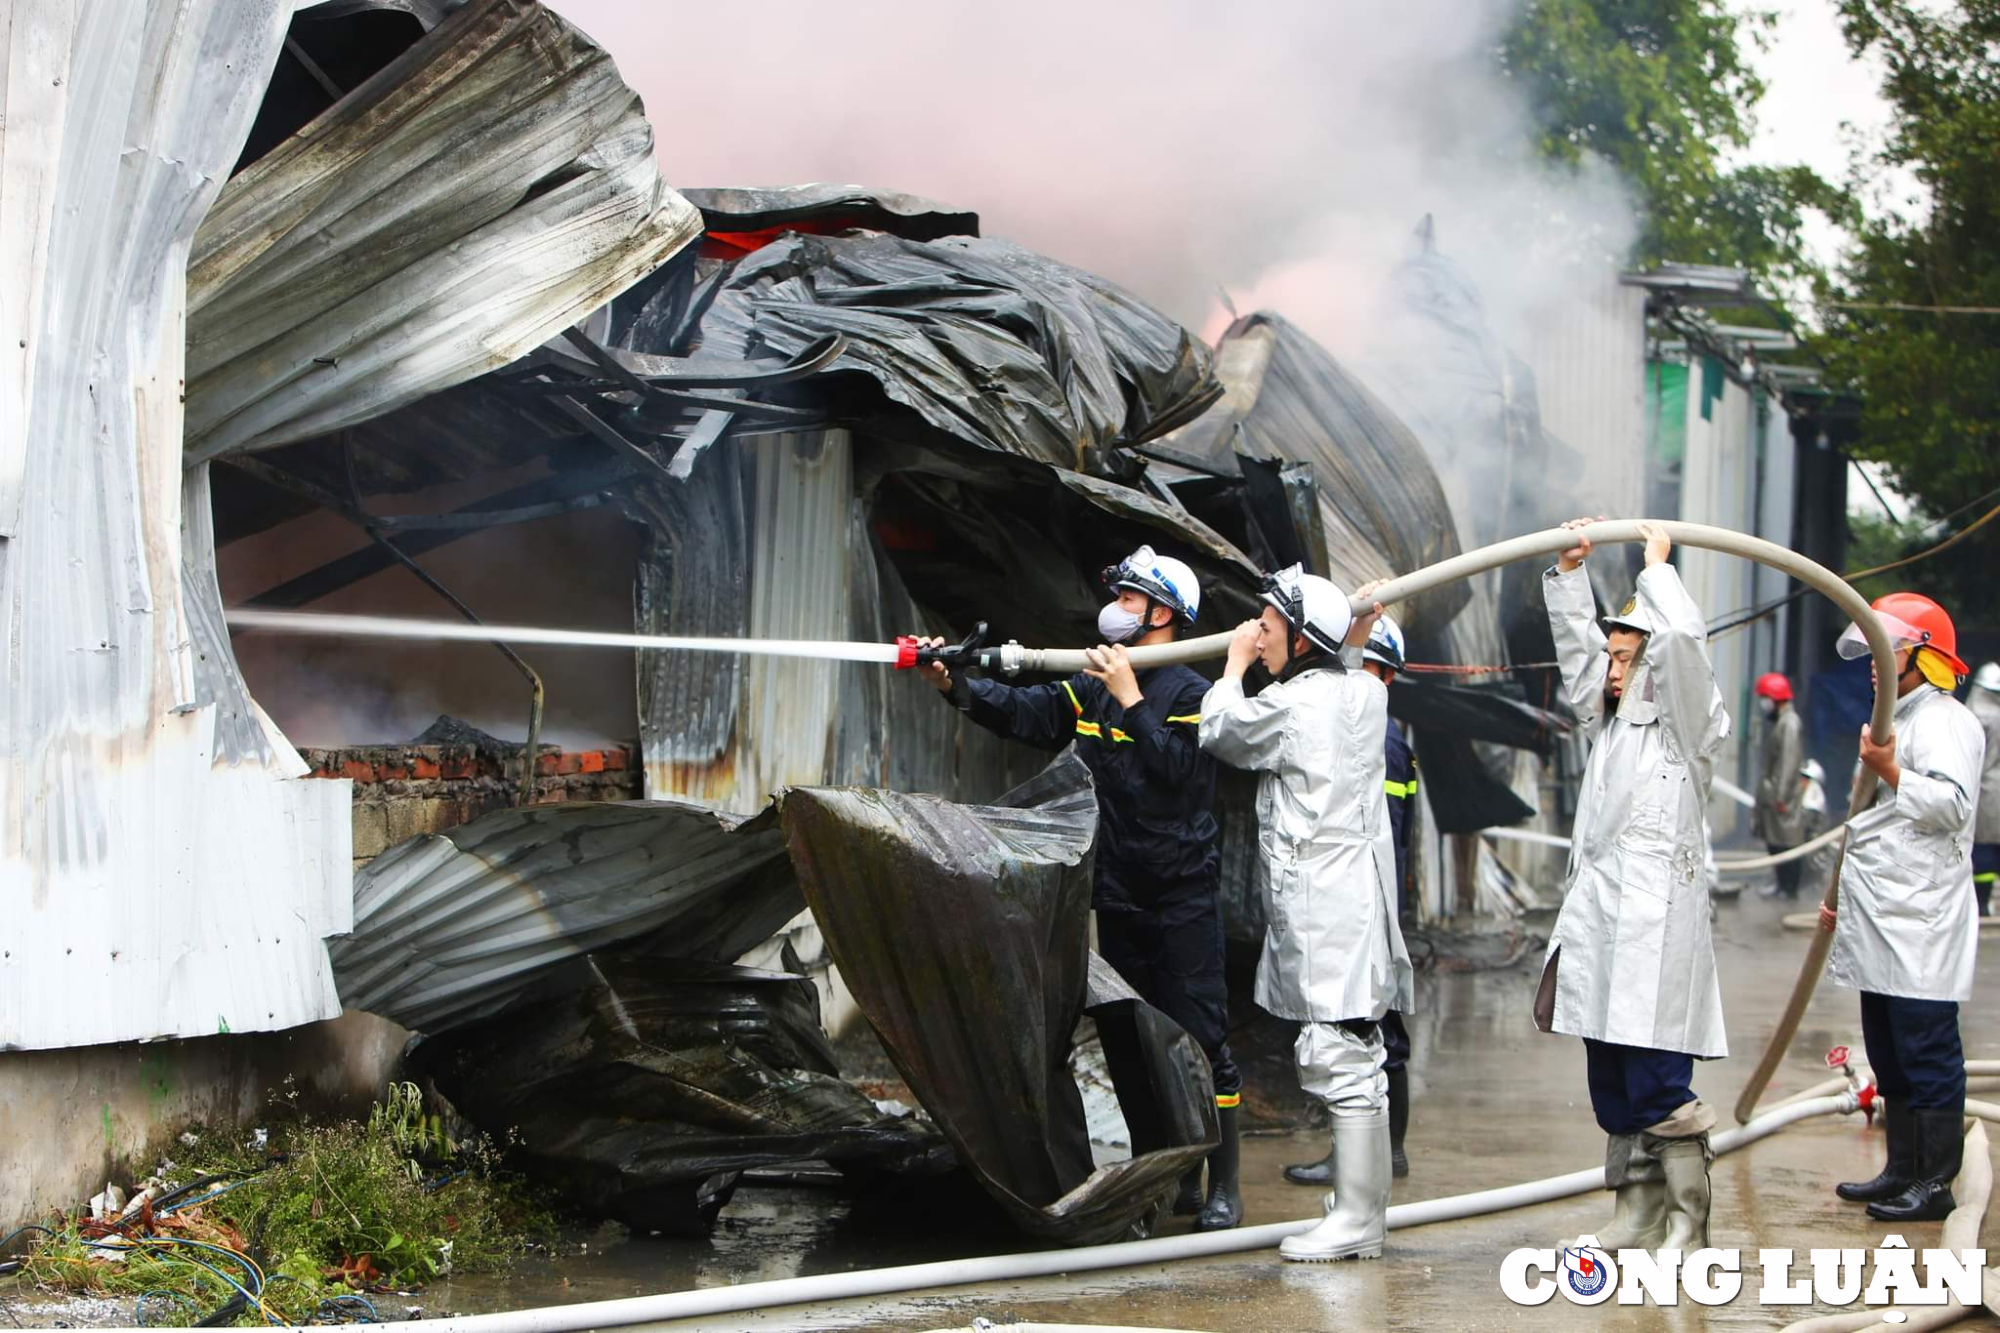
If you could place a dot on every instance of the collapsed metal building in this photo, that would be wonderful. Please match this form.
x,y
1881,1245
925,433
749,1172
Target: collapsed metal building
x,y
387,306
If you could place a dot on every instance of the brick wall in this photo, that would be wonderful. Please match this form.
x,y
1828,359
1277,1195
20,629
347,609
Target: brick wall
x,y
403,790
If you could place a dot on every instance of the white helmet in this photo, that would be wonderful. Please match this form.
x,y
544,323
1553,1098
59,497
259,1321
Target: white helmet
x,y
1988,677
1811,769
1630,617
1311,605
1385,644
1168,581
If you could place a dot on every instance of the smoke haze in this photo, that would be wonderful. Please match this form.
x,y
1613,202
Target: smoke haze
x,y
1283,152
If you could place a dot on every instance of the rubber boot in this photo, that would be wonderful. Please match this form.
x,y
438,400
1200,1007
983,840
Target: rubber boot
x,y
1188,1202
1639,1198
1399,1119
1685,1163
1901,1168
1225,1204
1940,1137
1312,1173
1357,1216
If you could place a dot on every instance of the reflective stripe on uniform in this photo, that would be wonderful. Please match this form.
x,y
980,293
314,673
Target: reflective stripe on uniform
x,y
1990,877
1403,789
1186,717
1094,729
1226,1100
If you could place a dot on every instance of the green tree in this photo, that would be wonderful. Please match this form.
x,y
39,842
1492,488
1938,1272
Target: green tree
x,y
1661,90
1928,380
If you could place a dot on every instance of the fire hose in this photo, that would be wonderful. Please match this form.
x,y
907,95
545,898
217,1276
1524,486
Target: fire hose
x,y
1782,559
1728,865
1011,658
709,1302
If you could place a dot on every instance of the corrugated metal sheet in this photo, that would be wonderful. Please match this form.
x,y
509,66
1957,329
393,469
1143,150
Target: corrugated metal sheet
x,y
1718,486
159,876
33,103
449,928
773,543
1777,484
491,186
1589,362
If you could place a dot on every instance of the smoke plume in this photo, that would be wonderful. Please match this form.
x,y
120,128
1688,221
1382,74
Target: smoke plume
x,y
1282,152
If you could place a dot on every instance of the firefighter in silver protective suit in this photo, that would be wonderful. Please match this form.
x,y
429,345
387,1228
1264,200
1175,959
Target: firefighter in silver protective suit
x,y
1630,967
1334,959
1907,932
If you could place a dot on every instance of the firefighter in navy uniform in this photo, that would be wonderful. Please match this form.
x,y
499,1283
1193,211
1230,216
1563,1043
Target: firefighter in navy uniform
x,y
1158,876
1382,658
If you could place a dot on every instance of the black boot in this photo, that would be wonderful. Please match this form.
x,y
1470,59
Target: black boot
x,y
1318,1173
1188,1202
1901,1169
1225,1205
1940,1139
1399,1119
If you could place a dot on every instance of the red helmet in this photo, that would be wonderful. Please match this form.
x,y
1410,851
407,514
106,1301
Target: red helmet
x,y
1772,685
1913,621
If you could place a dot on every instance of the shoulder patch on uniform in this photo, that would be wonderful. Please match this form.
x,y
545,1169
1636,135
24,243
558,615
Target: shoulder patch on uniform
x,y
1631,605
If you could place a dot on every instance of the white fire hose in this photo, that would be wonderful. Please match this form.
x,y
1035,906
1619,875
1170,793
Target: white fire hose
x,y
710,1302
1013,657
1728,865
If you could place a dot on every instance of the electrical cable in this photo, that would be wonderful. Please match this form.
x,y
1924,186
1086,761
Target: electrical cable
x,y
189,1203
1751,614
337,1301
164,1294
1907,308
250,1293
9,1238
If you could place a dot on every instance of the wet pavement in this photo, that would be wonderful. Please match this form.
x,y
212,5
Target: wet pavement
x,y
1495,1103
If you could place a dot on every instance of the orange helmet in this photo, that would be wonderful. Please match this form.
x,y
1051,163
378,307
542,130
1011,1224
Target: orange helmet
x,y
1772,685
1913,621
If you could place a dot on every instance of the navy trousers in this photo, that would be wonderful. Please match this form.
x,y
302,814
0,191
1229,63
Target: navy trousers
x,y
1632,1087
1914,1049
1985,873
1395,1041
1172,955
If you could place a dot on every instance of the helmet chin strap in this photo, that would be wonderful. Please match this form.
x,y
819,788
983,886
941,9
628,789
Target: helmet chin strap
x,y
1146,625
1313,659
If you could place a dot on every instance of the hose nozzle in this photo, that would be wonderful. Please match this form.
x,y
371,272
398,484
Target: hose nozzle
x,y
911,652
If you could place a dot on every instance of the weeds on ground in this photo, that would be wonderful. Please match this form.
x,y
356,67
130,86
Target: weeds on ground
x,y
291,1221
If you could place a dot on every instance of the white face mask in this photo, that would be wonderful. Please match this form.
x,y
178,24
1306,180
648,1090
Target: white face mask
x,y
1117,625
1768,707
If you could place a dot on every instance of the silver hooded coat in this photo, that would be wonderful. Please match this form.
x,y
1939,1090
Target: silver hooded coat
x,y
1630,960
1333,950
1985,705
1908,922
1780,818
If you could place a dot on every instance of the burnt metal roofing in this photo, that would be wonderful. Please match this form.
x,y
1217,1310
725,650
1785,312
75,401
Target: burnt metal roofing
x,y
489,187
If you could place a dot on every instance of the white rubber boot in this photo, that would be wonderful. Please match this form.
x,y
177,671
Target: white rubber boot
x,y
1358,1216
1639,1211
1686,1164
